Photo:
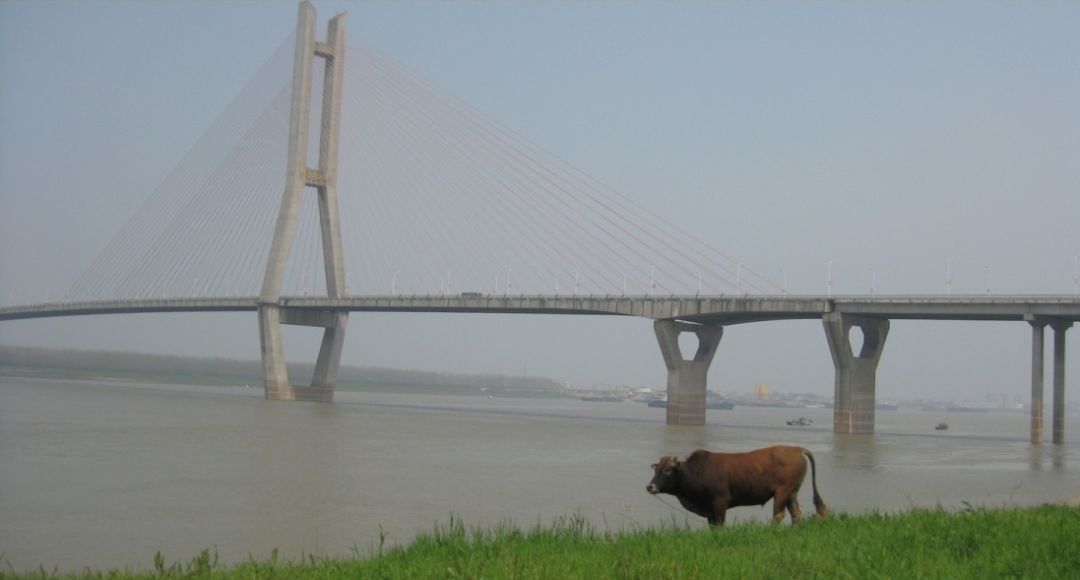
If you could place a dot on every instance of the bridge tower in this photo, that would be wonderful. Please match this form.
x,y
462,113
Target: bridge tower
x,y
299,177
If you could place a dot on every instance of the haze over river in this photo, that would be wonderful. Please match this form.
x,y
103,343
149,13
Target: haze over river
x,y
106,474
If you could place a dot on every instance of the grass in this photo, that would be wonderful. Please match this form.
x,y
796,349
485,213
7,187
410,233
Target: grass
x,y
1041,542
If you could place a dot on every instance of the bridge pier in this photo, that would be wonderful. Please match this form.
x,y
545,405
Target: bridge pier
x,y
687,379
856,375
1037,358
1059,326
275,373
1037,355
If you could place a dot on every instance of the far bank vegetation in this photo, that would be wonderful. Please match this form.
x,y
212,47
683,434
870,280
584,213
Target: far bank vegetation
x,y
70,363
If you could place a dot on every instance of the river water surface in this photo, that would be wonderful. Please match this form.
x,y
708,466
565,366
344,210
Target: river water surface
x,y
104,475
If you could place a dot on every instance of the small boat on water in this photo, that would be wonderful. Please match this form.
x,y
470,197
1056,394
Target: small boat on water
x,y
942,427
800,422
660,403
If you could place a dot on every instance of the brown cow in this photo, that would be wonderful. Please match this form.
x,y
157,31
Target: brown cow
x,y
709,483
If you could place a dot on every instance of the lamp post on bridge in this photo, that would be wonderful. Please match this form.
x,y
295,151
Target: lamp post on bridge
x,y
948,277
828,284
1076,276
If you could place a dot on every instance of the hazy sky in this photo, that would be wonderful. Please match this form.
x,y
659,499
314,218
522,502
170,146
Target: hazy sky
x,y
888,138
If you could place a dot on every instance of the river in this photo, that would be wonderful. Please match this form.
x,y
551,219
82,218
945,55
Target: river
x,y
104,475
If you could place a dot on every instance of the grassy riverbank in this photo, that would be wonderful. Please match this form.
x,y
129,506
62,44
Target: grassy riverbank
x,y
980,543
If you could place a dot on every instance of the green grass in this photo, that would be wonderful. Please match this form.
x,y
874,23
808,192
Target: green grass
x,y
1041,542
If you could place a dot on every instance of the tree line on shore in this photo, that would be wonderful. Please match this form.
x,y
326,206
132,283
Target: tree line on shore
x,y
245,371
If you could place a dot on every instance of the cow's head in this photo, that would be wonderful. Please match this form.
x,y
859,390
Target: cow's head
x,y
665,475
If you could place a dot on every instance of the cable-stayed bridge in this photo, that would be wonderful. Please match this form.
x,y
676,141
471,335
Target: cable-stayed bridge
x,y
444,210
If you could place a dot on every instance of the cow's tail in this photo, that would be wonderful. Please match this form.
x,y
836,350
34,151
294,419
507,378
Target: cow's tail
x,y
819,504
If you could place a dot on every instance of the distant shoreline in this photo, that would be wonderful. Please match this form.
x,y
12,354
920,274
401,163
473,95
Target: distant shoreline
x,y
34,362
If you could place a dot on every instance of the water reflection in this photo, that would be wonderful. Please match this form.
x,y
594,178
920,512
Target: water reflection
x,y
855,451
1054,454
682,439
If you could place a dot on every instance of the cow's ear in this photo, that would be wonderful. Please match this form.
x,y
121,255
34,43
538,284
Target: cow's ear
x,y
653,466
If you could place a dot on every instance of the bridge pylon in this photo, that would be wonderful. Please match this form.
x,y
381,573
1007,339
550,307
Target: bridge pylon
x,y
298,178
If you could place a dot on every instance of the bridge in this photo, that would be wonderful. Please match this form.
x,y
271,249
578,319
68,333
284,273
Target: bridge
x,y
704,316
701,310
190,251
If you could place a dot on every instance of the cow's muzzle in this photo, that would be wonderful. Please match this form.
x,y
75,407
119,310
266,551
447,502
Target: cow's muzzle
x,y
651,488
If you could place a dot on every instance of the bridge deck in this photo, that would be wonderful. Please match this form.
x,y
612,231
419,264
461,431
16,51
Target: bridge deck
x,y
720,310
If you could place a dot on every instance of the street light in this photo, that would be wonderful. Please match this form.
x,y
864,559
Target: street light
x,y
948,277
1076,275
828,285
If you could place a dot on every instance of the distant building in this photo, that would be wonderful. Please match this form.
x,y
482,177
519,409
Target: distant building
x,y
761,391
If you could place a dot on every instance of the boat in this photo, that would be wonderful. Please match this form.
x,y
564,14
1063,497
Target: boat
x,y
942,427
719,405
660,403
800,422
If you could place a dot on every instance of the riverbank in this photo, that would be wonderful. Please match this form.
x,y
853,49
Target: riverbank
x,y
977,543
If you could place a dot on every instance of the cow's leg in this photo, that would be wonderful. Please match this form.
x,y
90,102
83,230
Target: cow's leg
x,y
779,503
794,509
719,513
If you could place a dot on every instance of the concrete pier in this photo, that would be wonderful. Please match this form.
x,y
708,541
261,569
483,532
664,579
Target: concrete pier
x,y
298,178
856,375
1037,326
1059,326
687,379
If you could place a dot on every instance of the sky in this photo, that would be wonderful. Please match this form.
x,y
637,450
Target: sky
x,y
897,141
